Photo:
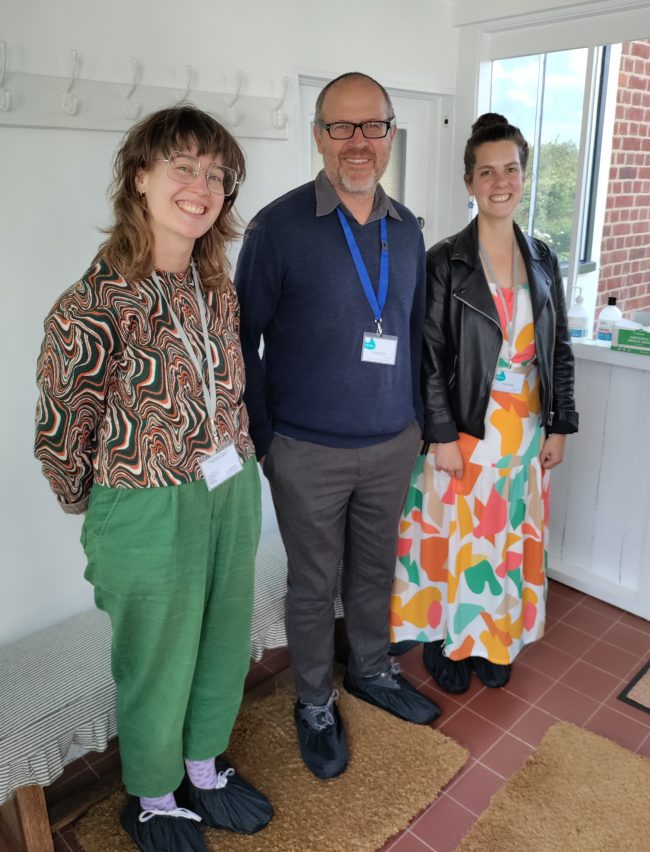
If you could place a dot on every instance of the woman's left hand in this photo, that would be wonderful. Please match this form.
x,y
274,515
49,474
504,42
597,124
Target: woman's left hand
x,y
552,451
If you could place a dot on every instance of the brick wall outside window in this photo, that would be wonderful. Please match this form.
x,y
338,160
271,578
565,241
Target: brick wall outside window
x,y
625,247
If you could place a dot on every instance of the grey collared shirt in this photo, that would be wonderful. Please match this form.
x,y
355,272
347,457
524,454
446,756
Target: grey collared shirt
x,y
327,200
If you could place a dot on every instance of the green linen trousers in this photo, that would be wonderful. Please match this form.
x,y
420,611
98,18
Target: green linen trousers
x,y
174,569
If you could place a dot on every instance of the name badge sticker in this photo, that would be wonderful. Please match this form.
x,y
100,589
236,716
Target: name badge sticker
x,y
220,466
379,348
509,381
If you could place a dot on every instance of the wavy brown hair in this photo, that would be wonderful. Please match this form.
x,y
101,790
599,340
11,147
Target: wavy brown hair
x,y
129,246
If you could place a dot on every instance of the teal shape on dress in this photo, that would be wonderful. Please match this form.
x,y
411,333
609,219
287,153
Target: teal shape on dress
x,y
412,570
422,637
464,615
515,577
504,462
517,502
413,500
478,575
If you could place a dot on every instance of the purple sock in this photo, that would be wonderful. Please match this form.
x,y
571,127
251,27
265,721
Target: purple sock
x,y
202,773
158,803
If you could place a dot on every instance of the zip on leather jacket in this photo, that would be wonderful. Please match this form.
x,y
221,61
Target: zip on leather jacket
x,y
463,337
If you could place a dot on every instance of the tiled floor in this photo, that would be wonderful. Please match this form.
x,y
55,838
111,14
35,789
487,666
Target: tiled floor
x,y
590,651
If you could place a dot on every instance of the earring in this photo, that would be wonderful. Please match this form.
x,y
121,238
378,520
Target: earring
x,y
470,202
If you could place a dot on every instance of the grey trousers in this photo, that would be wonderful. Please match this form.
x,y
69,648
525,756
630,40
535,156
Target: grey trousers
x,y
339,504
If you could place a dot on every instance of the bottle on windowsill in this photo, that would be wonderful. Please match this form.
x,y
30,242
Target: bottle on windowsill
x,y
606,319
578,317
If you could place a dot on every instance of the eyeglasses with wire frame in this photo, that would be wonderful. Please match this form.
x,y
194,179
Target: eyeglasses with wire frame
x,y
183,168
369,129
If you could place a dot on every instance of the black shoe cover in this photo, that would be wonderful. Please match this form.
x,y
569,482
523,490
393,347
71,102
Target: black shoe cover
x,y
162,833
237,806
399,648
394,694
451,675
324,749
490,674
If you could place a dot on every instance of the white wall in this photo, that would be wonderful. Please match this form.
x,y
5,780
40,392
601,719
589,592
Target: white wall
x,y
53,182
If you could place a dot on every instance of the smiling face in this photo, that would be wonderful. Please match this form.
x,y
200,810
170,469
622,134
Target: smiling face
x,y
497,180
354,166
178,214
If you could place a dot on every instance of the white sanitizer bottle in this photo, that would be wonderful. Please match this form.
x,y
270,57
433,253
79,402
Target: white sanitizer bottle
x,y
606,319
578,316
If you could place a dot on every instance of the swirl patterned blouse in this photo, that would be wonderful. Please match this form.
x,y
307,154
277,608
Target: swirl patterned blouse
x,y
120,402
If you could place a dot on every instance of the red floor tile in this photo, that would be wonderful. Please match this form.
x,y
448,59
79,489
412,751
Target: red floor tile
x,y
636,622
408,842
566,638
600,606
411,662
591,681
557,607
612,660
567,704
507,755
474,732
448,703
546,659
555,588
475,789
527,683
589,621
532,726
644,748
500,707
628,639
444,824
617,727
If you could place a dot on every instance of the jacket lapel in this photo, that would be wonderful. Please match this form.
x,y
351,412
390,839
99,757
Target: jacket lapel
x,y
471,286
539,280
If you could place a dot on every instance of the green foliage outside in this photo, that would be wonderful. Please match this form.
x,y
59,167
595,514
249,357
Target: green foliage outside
x,y
556,188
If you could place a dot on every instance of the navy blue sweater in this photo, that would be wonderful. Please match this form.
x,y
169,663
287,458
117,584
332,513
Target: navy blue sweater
x,y
299,289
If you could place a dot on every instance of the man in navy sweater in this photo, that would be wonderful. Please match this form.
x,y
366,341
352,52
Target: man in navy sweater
x,y
332,275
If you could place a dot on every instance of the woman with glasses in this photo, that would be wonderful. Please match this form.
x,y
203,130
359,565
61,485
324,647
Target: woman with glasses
x,y
141,425
498,399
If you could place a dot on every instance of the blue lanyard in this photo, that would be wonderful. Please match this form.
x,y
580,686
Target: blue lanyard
x,y
378,302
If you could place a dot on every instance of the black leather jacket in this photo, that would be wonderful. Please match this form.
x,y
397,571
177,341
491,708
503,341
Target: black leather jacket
x,y
462,338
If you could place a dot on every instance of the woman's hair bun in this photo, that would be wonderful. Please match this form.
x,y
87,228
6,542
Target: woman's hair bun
x,y
489,119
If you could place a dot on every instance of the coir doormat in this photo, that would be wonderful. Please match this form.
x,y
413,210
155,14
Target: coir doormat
x,y
637,692
579,792
396,769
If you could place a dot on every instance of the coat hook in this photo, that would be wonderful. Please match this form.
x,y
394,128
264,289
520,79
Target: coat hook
x,y
132,108
279,112
69,103
188,85
232,114
5,97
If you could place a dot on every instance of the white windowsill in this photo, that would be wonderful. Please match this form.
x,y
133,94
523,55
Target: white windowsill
x,y
596,350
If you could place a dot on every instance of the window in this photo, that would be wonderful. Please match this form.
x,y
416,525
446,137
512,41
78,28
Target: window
x,y
544,95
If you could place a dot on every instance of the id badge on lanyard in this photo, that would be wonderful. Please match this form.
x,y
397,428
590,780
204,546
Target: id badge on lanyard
x,y
222,463
376,347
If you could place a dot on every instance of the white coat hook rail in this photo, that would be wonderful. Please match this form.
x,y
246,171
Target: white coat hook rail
x,y
5,96
232,114
70,103
279,112
188,82
132,108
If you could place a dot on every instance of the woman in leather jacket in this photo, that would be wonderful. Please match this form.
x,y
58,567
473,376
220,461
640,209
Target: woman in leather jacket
x,y
497,381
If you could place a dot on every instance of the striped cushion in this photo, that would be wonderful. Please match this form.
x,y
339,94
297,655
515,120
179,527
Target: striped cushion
x,y
57,689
